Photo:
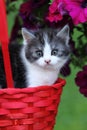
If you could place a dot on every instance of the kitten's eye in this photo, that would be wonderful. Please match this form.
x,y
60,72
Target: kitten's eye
x,y
39,53
54,52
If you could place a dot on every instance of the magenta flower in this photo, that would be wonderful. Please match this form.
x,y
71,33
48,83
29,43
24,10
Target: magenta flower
x,y
77,9
54,14
81,80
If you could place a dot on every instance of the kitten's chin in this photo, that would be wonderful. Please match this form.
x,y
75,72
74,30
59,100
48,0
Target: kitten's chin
x,y
48,67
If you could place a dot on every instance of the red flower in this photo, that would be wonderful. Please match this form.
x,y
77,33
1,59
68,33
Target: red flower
x,y
54,14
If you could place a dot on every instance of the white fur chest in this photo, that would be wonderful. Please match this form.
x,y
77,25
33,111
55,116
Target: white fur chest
x,y
37,76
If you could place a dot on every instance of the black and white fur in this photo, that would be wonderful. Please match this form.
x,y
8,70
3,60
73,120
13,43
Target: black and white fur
x,y
39,59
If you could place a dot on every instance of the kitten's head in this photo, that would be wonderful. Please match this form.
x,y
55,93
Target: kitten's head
x,y
47,48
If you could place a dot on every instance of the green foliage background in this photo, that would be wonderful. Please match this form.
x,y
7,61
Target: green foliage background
x,y
72,111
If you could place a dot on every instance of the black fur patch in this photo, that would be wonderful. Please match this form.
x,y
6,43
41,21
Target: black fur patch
x,y
18,69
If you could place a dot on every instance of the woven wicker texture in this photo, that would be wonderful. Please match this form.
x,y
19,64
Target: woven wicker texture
x,y
30,108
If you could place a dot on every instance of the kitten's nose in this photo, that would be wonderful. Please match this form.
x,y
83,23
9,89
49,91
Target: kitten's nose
x,y
47,61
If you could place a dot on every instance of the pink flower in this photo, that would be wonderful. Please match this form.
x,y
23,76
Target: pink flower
x,y
54,14
77,9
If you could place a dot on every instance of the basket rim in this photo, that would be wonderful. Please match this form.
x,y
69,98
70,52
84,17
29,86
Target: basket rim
x,y
57,85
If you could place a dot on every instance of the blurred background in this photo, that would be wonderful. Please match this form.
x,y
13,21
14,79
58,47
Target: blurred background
x,y
72,111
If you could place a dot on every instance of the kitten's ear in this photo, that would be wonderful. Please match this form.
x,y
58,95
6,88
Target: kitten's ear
x,y
64,33
27,36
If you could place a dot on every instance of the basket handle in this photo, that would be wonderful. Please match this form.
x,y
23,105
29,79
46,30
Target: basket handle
x,y
4,40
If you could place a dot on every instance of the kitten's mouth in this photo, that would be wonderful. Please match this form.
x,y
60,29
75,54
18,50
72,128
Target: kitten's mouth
x,y
48,66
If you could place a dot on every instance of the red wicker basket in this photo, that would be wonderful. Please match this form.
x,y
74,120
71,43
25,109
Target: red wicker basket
x,y
28,108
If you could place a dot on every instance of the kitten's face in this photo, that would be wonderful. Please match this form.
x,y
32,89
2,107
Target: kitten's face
x,y
47,48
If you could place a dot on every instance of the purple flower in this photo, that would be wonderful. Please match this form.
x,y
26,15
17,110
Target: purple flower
x,y
26,8
81,80
29,13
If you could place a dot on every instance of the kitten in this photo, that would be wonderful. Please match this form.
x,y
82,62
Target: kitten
x,y
39,59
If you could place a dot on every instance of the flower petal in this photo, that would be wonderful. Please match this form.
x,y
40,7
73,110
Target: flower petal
x,y
85,12
75,10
